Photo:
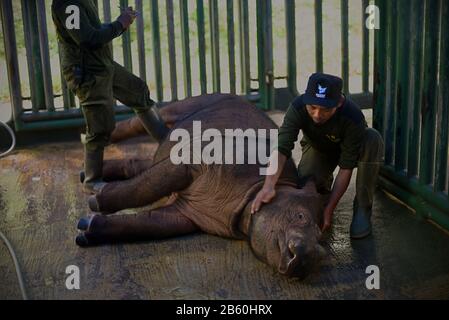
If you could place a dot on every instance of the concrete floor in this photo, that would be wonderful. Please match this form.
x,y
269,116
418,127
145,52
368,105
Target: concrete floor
x,y
41,201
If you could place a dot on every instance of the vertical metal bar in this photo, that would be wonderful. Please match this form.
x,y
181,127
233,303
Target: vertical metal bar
x,y
12,65
416,49
428,107
319,35
107,11
107,16
390,82
443,103
265,54
215,45
141,41
172,50
365,50
126,41
402,84
33,55
157,57
345,45
231,44
45,55
67,95
201,44
380,48
185,39
290,26
244,46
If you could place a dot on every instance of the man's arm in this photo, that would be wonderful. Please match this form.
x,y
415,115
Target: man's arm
x,y
268,190
340,186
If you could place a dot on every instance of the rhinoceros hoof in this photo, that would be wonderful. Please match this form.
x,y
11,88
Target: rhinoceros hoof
x,y
81,240
82,176
93,204
85,223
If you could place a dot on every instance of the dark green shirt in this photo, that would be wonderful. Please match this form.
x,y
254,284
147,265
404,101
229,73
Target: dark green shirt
x,y
340,137
90,45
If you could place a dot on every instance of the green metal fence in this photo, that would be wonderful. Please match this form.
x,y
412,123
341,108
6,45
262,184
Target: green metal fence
x,y
411,103
45,113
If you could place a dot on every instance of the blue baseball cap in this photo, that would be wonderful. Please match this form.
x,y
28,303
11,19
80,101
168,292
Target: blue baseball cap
x,y
323,90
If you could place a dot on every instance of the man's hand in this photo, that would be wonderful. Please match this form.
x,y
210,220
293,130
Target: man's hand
x,y
264,196
127,17
327,219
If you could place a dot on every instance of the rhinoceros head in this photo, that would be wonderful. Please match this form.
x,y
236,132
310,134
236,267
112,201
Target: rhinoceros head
x,y
285,232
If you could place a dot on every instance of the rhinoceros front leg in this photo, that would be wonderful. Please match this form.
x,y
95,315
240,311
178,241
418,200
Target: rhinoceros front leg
x,y
161,223
160,181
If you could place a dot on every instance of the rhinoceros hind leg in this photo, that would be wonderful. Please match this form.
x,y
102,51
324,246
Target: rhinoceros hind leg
x,y
160,181
161,223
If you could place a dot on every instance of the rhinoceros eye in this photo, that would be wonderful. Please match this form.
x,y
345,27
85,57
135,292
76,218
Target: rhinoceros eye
x,y
300,215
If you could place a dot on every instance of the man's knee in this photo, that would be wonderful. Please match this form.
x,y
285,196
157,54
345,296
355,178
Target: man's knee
x,y
373,146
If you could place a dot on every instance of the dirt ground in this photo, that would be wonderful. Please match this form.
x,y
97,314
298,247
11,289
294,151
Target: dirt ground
x,y
41,202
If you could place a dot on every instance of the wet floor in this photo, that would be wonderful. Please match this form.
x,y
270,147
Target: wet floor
x,y
41,201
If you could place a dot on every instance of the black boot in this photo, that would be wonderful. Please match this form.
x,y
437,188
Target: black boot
x,y
153,123
93,171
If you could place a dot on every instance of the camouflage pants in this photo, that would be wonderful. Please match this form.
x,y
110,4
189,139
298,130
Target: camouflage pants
x,y
322,166
97,94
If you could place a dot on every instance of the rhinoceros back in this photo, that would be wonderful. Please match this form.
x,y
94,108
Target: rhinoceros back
x,y
220,191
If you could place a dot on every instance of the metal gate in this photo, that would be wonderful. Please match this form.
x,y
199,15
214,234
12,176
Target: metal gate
x,y
257,85
411,103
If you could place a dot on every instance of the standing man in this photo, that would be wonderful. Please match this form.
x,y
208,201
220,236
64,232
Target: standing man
x,y
335,134
91,73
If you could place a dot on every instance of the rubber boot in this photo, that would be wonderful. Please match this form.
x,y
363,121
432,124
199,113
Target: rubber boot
x,y
153,123
367,174
93,171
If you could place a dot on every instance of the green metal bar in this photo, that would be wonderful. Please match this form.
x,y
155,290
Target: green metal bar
x,y
183,5
365,49
107,11
417,32
107,16
391,82
172,50
215,44
380,70
428,107
244,46
141,41
319,35
157,56
45,54
12,64
67,95
33,55
422,208
345,45
403,84
201,45
290,27
442,174
126,41
437,199
231,44
265,54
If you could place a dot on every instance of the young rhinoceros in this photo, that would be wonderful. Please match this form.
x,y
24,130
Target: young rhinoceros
x,y
213,198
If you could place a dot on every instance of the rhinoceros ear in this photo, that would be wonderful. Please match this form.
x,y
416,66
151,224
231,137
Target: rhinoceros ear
x,y
308,185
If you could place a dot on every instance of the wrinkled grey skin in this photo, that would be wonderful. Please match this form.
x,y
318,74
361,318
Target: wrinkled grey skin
x,y
212,198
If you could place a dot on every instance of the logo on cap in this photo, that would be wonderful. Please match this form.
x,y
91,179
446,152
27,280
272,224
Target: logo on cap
x,y
321,92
